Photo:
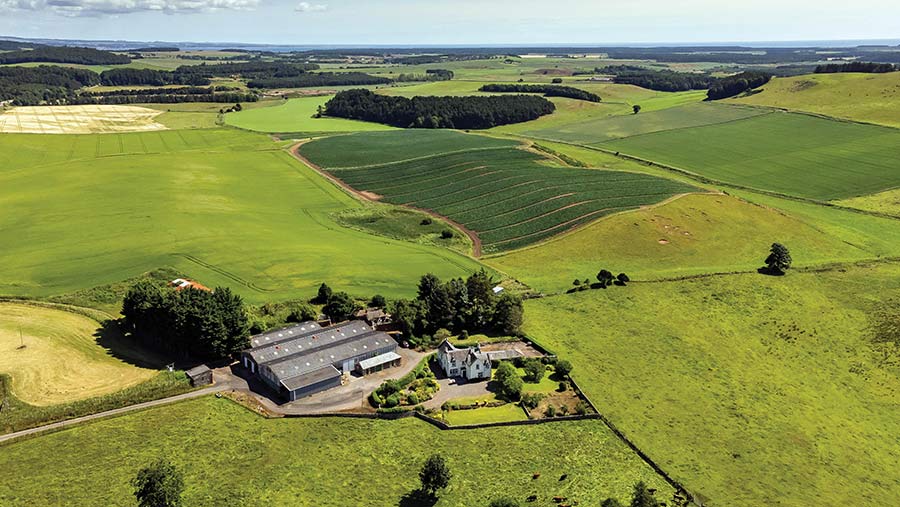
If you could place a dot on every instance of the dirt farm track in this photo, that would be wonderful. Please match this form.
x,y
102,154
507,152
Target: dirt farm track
x,y
87,119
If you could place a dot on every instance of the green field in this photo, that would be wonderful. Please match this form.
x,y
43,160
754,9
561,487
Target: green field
x,y
789,153
598,130
223,206
53,356
376,148
873,98
883,202
509,197
296,115
692,235
483,415
753,390
230,456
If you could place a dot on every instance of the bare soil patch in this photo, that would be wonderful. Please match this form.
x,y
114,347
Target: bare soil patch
x,y
86,119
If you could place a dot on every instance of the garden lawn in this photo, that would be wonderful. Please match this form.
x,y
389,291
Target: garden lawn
x,y
752,390
53,356
231,456
222,206
297,115
788,153
484,415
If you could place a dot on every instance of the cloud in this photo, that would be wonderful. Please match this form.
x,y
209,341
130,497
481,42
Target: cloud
x,y
308,7
76,8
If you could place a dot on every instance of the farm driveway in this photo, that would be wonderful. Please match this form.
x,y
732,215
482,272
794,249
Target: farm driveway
x,y
461,389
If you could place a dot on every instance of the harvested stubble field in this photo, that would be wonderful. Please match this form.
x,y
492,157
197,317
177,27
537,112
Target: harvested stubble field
x,y
751,389
87,119
790,153
509,197
214,441
53,356
223,206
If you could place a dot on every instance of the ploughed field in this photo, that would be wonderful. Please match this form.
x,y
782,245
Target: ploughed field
x,y
508,196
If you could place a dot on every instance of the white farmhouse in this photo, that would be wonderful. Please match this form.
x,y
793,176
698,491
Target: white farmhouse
x,y
470,363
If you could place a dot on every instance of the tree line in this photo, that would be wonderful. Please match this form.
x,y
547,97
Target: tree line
x,y
54,54
458,306
150,77
163,96
660,80
28,86
187,323
867,67
438,112
547,90
312,79
737,84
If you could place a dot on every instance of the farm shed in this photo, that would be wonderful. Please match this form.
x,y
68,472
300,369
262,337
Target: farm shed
x,y
200,375
378,363
304,359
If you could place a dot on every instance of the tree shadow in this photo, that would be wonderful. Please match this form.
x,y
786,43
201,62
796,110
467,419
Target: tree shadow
x,y
766,270
417,498
112,337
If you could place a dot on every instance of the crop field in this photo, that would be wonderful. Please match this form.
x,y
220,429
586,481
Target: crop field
x,y
228,441
87,119
507,196
752,390
873,98
223,206
598,130
53,356
296,115
376,148
882,202
694,234
783,152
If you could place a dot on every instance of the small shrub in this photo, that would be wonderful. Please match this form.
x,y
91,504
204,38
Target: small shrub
x,y
562,387
563,409
464,335
412,399
551,411
532,400
563,368
392,401
556,80
581,408
442,334
426,221
577,282
447,234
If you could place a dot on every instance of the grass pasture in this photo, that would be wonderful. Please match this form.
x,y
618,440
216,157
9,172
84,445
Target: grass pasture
x,y
296,115
508,196
752,390
694,234
223,206
873,98
61,360
598,130
789,153
883,202
87,119
227,441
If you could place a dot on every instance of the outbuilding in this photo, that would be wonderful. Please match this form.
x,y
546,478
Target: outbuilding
x,y
200,375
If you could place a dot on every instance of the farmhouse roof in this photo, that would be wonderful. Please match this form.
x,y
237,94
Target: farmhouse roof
x,y
455,354
319,339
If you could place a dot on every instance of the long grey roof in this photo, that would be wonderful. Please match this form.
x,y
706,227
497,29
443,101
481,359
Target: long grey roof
x,y
320,375
303,362
304,341
283,334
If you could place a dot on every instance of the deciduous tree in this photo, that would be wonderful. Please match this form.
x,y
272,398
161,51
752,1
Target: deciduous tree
x,y
158,485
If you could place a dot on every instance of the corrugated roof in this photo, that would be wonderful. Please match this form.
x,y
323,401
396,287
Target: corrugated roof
x,y
310,340
283,334
378,360
320,375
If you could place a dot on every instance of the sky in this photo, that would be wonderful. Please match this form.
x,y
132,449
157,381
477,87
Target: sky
x,y
452,22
